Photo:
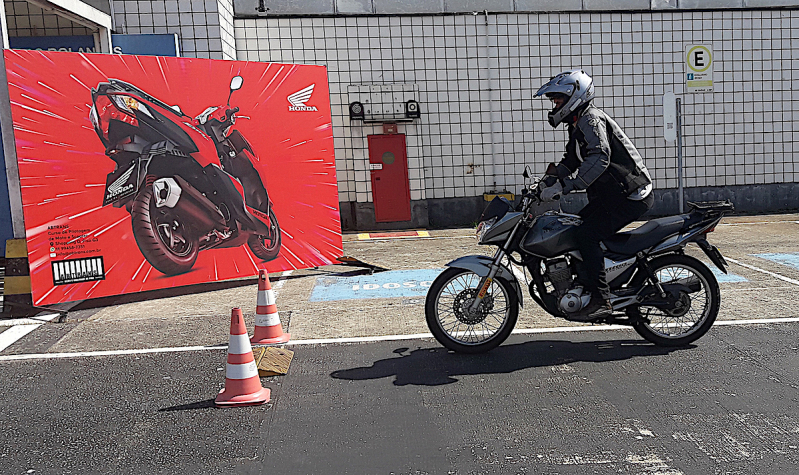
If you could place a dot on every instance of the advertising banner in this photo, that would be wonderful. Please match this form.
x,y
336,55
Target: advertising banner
x,y
141,172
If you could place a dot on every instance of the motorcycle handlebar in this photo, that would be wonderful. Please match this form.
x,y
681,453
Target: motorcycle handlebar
x,y
230,112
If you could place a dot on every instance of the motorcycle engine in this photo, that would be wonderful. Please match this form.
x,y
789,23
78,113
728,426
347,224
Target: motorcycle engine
x,y
574,300
560,275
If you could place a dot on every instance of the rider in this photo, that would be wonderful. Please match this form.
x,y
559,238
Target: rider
x,y
600,159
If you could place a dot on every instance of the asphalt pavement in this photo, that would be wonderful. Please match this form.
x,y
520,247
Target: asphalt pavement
x,y
557,398
576,403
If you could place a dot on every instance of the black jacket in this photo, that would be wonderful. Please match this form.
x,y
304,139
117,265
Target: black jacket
x,y
606,161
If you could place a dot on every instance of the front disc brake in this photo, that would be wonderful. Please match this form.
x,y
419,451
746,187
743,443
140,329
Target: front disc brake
x,y
464,300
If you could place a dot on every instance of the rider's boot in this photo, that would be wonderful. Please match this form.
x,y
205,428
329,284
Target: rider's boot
x,y
597,307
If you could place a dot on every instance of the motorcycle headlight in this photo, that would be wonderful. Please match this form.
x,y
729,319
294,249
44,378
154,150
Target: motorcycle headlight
x,y
129,104
483,228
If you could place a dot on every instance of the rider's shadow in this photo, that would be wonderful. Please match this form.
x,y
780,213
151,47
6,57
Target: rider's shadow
x,y
437,366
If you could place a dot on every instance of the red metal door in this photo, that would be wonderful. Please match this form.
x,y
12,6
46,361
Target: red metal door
x,y
388,164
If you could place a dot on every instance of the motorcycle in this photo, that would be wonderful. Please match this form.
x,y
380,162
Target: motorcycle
x,y
188,184
667,296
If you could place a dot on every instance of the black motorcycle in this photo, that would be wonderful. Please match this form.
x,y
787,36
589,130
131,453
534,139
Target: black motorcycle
x,y
189,184
668,297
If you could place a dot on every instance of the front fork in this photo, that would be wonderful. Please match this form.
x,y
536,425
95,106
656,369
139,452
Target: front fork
x,y
485,282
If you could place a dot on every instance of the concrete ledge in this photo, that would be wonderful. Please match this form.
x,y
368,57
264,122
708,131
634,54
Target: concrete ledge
x,y
454,212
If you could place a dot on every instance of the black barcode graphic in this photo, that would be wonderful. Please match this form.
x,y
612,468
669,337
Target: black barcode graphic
x,y
78,270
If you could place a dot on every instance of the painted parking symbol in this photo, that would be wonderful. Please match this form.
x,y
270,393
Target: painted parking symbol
x,y
727,278
391,284
787,259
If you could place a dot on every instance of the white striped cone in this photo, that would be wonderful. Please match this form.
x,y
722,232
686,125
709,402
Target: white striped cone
x,y
268,329
242,383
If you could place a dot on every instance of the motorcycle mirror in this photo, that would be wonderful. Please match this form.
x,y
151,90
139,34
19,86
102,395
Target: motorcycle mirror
x,y
235,85
528,172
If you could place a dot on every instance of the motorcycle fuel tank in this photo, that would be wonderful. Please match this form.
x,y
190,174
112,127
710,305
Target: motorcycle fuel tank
x,y
551,235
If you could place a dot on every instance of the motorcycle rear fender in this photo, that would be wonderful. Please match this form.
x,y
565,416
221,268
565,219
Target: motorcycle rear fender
x,y
714,254
481,265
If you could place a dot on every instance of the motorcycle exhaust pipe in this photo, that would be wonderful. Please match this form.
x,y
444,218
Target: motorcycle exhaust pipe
x,y
177,194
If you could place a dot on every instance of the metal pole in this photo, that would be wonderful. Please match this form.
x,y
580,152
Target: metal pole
x,y
491,108
680,194
10,150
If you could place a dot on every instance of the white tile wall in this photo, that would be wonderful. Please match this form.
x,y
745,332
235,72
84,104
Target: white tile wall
x,y
742,133
204,27
26,19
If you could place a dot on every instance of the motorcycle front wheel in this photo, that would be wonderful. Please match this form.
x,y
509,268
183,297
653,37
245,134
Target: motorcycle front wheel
x,y
454,326
266,248
162,235
692,315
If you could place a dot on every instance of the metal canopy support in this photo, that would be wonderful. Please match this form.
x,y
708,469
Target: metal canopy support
x,y
82,14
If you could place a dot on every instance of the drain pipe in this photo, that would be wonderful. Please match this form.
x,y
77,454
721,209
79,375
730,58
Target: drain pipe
x,y
491,108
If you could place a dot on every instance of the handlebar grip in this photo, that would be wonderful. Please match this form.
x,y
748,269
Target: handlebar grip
x,y
232,111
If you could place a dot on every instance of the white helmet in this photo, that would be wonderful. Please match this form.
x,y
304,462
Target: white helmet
x,y
576,85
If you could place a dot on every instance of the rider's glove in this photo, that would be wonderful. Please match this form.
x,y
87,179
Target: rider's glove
x,y
552,193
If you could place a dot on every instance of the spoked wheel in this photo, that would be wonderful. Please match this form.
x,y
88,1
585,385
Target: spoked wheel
x,y
162,235
448,314
691,310
266,247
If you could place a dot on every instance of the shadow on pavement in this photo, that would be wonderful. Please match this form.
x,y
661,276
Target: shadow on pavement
x,y
207,404
437,366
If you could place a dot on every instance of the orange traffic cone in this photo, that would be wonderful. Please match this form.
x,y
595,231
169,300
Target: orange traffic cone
x,y
267,321
242,383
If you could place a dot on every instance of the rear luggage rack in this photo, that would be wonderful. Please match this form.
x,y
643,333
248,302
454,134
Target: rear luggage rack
x,y
724,206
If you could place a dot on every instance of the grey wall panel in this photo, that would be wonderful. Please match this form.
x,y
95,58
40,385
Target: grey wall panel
x,y
548,5
664,4
711,4
249,8
770,3
284,7
617,4
354,6
461,6
409,6
102,5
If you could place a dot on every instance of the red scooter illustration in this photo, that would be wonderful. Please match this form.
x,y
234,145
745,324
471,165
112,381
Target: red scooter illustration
x,y
189,184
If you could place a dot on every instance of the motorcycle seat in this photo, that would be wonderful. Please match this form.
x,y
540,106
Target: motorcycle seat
x,y
645,236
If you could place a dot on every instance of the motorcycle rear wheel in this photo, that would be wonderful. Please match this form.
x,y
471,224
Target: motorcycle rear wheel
x,y
162,235
699,309
445,311
266,248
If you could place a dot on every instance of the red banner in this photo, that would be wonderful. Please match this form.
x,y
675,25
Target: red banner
x,y
141,172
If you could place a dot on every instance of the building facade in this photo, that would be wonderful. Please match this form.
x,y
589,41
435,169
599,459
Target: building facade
x,y
472,71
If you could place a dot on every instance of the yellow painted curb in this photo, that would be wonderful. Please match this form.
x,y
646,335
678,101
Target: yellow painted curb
x,y
16,248
17,285
491,196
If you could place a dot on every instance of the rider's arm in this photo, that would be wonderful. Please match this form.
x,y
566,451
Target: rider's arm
x,y
597,154
570,161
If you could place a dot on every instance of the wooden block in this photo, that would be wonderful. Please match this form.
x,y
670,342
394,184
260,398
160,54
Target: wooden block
x,y
273,361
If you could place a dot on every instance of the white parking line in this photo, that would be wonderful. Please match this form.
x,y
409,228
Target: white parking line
x,y
28,321
758,269
328,341
10,336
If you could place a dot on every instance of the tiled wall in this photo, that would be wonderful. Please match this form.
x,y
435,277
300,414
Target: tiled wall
x,y
742,133
203,26
26,19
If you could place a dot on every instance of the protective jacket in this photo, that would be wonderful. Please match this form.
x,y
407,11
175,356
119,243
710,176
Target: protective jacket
x,y
606,161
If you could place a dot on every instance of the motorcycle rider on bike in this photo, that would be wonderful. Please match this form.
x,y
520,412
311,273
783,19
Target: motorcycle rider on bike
x,y
600,159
